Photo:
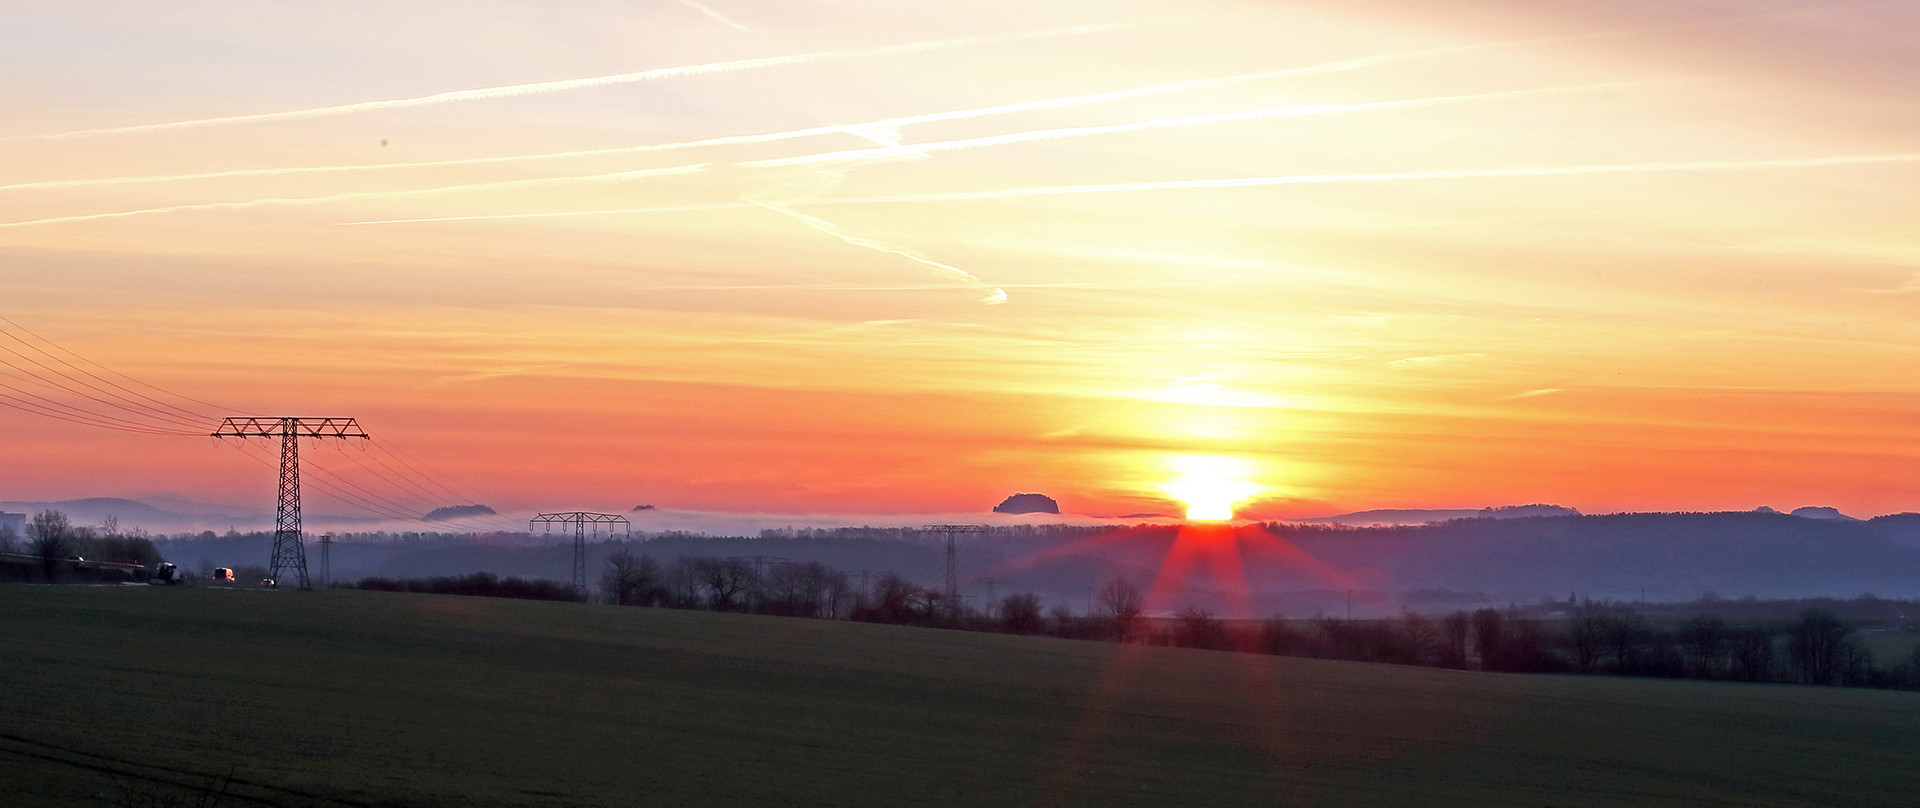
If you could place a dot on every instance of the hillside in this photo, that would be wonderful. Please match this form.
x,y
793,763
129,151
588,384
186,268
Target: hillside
x,y
356,698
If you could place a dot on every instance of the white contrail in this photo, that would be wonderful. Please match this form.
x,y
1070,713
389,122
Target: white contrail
x,y
894,151
1236,182
878,131
1313,179
722,18
994,295
314,200
534,88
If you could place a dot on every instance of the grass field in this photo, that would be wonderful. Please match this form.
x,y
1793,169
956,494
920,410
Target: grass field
x,y
362,698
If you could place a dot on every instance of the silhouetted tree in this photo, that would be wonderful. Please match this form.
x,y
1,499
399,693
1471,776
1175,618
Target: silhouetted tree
x,y
1587,635
1198,628
683,583
1454,631
632,580
50,538
1278,637
725,579
1703,641
895,600
1020,614
1817,647
1625,632
1750,654
1421,639
1487,638
1122,602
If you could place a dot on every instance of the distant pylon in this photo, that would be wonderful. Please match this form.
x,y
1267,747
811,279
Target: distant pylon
x,y
326,560
580,520
991,584
289,553
952,593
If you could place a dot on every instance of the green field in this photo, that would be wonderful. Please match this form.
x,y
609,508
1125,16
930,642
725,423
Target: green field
x,y
365,698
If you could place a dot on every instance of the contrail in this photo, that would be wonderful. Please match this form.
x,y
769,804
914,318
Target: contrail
x,y
1313,179
870,130
312,200
1235,182
893,151
722,18
535,88
994,295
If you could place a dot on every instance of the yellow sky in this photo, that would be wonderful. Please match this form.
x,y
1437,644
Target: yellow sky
x,y
867,257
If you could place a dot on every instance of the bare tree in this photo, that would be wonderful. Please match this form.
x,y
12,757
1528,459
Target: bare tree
x,y
1455,629
1200,629
1817,647
1122,601
839,593
726,579
1750,650
1488,638
1422,639
1020,614
50,537
1587,635
1703,641
1626,631
631,580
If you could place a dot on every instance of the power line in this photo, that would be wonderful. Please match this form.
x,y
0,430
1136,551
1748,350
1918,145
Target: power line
x,y
163,409
63,349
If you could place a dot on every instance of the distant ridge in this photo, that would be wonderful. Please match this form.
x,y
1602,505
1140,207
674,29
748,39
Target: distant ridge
x,y
1415,516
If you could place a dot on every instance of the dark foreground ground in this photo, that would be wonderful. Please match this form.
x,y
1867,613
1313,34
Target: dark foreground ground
x,y
135,695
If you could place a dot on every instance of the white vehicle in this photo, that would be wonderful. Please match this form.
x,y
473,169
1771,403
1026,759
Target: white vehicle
x,y
166,574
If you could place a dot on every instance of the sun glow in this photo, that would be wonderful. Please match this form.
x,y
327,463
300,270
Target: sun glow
x,y
1211,485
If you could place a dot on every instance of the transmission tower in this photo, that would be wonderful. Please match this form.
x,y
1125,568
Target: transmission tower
x,y
991,583
326,560
288,551
580,520
953,576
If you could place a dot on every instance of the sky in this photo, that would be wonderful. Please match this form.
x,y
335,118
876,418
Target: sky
x,y
844,258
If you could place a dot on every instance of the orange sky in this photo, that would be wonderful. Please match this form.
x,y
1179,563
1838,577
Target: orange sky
x,y
909,258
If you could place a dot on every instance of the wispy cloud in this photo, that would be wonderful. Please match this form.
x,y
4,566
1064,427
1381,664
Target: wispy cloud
x,y
994,295
708,10
542,87
891,151
584,179
885,131
1313,179
1422,361
1234,182
1532,393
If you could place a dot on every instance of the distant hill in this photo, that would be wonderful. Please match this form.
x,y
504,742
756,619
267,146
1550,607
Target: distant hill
x,y
1813,512
1393,517
456,512
1027,503
130,513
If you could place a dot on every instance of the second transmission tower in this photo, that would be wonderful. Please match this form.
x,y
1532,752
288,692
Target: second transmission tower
x,y
580,520
952,592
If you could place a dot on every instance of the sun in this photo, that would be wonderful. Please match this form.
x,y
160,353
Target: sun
x,y
1211,485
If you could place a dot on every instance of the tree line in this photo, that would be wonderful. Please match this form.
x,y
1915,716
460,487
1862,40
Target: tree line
x,y
1599,638
57,549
